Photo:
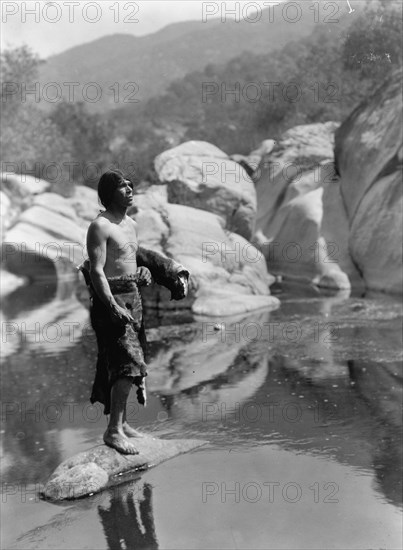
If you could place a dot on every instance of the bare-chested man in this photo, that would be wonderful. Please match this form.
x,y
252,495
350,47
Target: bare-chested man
x,y
116,312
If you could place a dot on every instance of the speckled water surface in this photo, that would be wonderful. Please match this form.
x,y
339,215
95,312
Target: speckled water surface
x,y
301,406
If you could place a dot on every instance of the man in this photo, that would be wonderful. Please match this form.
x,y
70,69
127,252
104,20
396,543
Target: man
x,y
116,309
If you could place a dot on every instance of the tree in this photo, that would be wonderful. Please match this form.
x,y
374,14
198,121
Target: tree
x,y
19,67
89,138
373,47
29,141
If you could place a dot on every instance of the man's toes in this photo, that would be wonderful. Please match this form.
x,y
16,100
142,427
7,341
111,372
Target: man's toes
x,y
131,450
121,444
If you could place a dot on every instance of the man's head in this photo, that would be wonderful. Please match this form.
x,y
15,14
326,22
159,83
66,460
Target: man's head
x,y
109,182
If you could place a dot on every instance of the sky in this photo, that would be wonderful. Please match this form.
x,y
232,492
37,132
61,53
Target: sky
x,y
52,27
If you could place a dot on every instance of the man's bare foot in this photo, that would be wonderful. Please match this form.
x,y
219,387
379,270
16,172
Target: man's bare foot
x,y
131,432
117,440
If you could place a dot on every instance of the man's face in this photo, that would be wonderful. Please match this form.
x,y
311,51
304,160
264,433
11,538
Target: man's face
x,y
123,195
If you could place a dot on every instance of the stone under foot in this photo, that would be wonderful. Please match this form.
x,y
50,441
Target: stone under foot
x,y
131,432
118,440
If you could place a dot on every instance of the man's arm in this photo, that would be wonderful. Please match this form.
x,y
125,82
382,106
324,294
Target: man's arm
x,y
97,237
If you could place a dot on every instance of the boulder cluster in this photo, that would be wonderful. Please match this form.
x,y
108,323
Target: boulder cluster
x,y
321,205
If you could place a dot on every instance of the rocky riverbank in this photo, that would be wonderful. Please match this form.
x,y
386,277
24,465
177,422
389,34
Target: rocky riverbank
x,y
321,205
330,198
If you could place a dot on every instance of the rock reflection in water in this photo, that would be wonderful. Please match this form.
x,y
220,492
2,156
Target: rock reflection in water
x,y
334,398
319,394
48,318
45,373
203,367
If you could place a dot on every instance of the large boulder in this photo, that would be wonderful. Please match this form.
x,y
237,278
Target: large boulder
x,y
369,159
228,275
49,236
302,149
293,244
18,192
337,221
202,176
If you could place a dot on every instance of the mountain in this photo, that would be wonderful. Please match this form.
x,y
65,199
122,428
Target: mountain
x,y
153,61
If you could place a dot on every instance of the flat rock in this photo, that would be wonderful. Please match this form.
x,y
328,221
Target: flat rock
x,y
101,467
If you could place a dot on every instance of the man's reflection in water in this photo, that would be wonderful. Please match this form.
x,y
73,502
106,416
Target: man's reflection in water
x,y
128,523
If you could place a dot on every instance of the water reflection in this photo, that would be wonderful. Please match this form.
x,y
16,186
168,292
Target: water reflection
x,y
322,378
45,348
128,520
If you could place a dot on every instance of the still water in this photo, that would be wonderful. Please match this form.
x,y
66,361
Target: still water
x,y
301,408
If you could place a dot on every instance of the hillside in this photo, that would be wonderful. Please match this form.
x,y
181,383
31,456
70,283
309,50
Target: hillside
x,y
154,61
316,78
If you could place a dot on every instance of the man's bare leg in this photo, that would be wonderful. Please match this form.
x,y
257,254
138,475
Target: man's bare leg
x,y
114,435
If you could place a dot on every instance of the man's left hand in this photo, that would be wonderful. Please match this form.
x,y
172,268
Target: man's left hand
x,y
144,276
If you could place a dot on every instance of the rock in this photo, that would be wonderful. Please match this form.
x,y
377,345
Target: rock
x,y
228,274
296,246
55,203
52,221
48,238
77,482
48,241
85,203
155,197
6,216
369,157
368,144
376,234
265,148
21,185
190,148
335,280
152,229
294,234
224,302
313,224
300,150
9,282
101,467
335,233
251,162
200,175
60,321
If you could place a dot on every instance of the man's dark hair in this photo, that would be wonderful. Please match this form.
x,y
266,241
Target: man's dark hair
x,y
108,183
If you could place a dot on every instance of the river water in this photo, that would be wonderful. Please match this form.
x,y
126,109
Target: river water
x,y
301,408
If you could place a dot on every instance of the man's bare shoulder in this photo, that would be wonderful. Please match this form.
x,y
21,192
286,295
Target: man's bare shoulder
x,y
101,224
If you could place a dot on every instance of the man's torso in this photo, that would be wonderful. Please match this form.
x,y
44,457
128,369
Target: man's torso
x,y
121,248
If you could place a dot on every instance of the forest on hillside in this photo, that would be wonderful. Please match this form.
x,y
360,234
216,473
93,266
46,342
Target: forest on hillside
x,y
235,105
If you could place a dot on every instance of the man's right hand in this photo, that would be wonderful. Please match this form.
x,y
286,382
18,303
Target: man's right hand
x,y
120,315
